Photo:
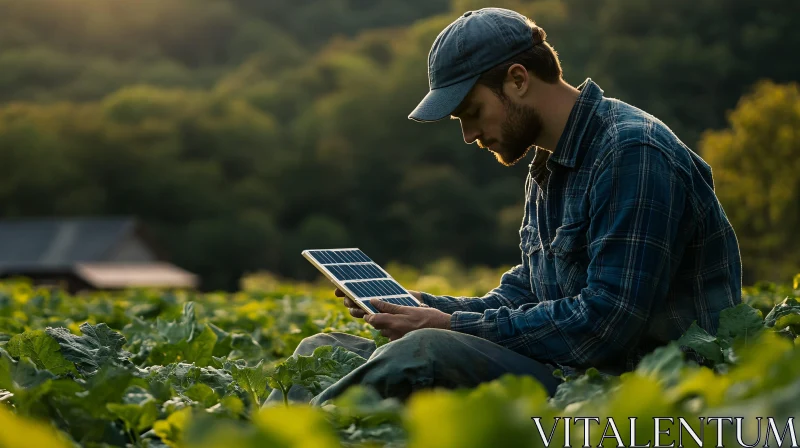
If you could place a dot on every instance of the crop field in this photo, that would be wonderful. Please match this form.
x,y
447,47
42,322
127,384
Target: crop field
x,y
155,369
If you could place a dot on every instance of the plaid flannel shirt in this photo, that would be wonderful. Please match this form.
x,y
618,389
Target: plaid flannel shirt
x,y
624,244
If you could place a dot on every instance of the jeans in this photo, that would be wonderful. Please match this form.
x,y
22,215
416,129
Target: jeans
x,y
422,359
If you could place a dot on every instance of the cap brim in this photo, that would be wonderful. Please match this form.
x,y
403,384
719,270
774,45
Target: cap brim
x,y
440,103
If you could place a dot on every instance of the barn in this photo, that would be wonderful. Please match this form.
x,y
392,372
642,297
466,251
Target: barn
x,y
87,253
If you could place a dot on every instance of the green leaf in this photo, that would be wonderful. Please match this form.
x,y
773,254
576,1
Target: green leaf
x,y
467,419
42,349
160,391
223,346
182,376
364,407
740,322
378,337
24,381
244,346
202,394
664,364
98,346
333,364
21,432
141,339
315,372
227,364
252,380
108,385
295,427
16,376
703,343
781,315
789,320
171,430
585,387
235,345
137,395
362,417
183,329
200,349
513,387
231,406
136,416
11,326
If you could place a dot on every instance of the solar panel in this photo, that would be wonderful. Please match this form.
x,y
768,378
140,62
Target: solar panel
x,y
360,278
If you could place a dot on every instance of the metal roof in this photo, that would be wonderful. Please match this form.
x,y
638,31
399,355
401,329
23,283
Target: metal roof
x,y
60,242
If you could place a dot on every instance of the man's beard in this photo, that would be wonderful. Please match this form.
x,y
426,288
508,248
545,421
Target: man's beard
x,y
519,132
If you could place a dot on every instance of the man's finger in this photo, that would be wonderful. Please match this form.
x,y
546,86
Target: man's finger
x,y
339,293
357,312
386,307
380,320
392,335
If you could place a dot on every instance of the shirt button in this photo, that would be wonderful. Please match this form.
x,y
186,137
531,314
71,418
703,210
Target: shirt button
x,y
549,255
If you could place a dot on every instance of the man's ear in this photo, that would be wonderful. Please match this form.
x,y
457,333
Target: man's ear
x,y
518,80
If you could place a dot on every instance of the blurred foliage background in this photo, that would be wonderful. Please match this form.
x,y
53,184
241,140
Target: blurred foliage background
x,y
242,131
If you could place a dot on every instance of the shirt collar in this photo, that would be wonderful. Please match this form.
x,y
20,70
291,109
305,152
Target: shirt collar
x,y
569,145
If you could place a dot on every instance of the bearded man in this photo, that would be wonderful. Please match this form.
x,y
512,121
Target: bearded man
x,y
623,241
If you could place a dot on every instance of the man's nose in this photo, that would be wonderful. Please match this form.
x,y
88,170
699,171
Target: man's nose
x,y
470,135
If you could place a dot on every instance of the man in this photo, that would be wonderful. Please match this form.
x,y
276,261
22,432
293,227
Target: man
x,y
624,243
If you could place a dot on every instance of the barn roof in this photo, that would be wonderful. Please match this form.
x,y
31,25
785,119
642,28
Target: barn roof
x,y
60,242
84,247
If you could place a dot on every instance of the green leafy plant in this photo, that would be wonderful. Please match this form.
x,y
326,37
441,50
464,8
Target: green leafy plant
x,y
151,369
315,372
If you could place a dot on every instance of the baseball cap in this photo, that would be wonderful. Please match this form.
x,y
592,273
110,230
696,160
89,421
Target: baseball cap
x,y
471,45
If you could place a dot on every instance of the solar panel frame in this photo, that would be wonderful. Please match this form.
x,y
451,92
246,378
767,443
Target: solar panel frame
x,y
362,302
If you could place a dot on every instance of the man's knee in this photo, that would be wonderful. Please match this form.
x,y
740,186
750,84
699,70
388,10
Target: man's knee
x,y
318,339
425,343
307,346
428,335
358,345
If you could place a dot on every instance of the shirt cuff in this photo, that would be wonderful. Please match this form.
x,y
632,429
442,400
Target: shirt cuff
x,y
467,322
427,299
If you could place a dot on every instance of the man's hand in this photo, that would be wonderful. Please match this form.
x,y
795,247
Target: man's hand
x,y
356,311
394,321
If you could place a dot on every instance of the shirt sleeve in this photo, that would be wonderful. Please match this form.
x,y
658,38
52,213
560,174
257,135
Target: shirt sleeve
x,y
514,291
635,209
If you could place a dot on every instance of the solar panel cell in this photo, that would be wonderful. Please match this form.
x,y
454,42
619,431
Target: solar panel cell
x,y
369,305
404,301
356,271
375,288
339,256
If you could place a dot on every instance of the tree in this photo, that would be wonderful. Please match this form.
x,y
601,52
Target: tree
x,y
755,163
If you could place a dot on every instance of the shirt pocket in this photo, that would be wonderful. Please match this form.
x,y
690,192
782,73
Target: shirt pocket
x,y
571,257
531,246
